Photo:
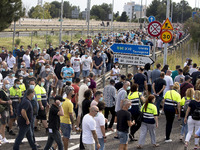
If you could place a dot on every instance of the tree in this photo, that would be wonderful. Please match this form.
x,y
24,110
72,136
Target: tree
x,y
55,9
41,12
123,18
10,11
101,12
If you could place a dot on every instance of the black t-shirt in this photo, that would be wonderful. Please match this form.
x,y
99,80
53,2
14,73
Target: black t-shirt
x,y
4,96
54,119
58,69
50,52
4,73
109,57
85,107
97,61
20,55
26,105
194,77
122,117
119,85
139,79
193,105
159,83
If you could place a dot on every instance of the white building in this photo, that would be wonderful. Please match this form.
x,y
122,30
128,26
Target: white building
x,y
133,10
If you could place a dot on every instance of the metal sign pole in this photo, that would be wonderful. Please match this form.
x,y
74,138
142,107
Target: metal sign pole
x,y
165,48
154,49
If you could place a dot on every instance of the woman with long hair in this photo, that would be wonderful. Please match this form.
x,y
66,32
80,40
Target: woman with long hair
x,y
192,118
184,105
149,121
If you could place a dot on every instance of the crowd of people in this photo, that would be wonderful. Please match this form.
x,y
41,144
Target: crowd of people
x,y
57,87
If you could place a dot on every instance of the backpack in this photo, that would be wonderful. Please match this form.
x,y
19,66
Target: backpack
x,y
196,114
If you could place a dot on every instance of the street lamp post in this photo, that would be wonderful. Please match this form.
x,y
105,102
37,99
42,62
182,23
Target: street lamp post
x,y
112,17
61,21
88,16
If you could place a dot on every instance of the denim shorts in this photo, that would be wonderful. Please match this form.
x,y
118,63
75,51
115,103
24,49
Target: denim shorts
x,y
66,130
85,73
123,137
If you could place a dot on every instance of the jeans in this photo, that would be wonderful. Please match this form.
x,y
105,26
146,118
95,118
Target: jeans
x,y
108,66
54,136
184,128
158,101
112,111
169,122
25,130
101,142
76,75
75,110
137,125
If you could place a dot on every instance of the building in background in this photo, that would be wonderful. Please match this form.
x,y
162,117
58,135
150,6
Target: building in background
x,y
133,10
75,13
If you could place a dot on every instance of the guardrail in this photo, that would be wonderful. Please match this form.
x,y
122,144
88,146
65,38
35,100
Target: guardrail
x,y
104,77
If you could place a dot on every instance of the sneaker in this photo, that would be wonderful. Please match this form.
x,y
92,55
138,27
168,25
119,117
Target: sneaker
x,y
11,133
4,141
167,141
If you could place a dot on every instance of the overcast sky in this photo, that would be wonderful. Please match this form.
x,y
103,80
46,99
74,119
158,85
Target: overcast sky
x,y
118,6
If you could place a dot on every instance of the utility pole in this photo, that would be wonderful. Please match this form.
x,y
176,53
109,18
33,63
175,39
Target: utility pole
x,y
88,16
165,48
112,18
61,21
182,12
172,11
141,15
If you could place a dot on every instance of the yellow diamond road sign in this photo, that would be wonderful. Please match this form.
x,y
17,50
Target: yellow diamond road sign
x,y
167,25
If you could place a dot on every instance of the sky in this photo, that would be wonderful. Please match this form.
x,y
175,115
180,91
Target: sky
x,y
118,4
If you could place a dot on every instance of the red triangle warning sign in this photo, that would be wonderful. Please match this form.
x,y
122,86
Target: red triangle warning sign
x,y
167,25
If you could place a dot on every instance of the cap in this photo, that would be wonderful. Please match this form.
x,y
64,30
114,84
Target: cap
x,y
59,98
187,77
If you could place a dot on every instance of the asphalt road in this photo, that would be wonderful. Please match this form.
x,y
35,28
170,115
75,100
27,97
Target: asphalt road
x,y
113,144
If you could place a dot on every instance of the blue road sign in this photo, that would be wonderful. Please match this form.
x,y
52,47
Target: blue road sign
x,y
170,19
151,19
131,49
193,14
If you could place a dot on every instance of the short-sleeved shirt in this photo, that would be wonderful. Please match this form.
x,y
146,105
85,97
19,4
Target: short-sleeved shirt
x,y
122,117
86,62
100,121
26,105
68,108
194,77
134,97
92,85
177,78
88,125
5,97
121,95
76,63
159,83
184,87
67,72
139,79
169,83
174,74
93,103
97,61
193,105
148,115
76,89
54,119
85,106
155,74
81,92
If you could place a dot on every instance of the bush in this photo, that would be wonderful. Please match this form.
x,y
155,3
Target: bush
x,y
17,41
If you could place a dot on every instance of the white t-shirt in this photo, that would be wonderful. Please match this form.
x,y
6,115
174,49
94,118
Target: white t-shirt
x,y
100,121
76,63
192,70
27,60
160,42
11,61
169,82
86,62
116,71
88,125
81,92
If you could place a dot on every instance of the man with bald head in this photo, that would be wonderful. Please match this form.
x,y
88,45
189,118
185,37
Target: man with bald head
x,y
89,137
5,104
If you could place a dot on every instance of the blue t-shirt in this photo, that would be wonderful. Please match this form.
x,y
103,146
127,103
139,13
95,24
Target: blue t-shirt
x,y
15,51
67,72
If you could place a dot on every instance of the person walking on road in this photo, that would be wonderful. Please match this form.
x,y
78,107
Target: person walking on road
x,y
25,117
56,111
89,130
172,101
149,121
123,124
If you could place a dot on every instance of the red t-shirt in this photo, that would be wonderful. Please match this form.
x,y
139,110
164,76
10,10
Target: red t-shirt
x,y
76,89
